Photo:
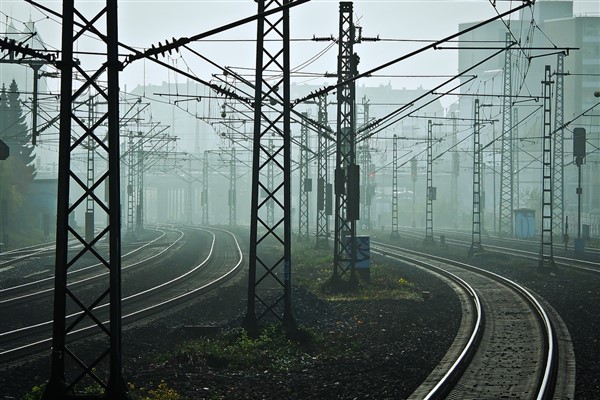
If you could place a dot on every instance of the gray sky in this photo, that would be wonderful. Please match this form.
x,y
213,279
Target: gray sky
x,y
143,23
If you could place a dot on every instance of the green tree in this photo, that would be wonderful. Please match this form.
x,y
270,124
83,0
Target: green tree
x,y
18,171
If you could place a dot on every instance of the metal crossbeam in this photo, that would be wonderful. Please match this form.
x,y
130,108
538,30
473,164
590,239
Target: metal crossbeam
x,y
558,206
323,194
304,181
505,223
346,176
72,371
546,249
430,195
477,159
269,274
395,233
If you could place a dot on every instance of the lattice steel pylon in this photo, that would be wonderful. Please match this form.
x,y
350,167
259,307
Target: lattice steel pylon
x,y
455,172
505,223
365,161
91,154
558,206
323,211
189,194
516,163
131,174
546,248
270,264
304,181
395,233
270,183
232,197
477,158
139,220
204,195
71,371
430,195
346,170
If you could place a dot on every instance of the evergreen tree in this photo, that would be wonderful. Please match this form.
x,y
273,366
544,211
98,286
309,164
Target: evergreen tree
x,y
14,131
16,172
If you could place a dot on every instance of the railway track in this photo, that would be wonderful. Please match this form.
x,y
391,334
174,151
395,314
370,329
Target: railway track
x,y
508,347
207,267
519,248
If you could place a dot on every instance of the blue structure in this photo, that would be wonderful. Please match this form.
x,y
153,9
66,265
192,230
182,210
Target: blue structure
x,y
525,226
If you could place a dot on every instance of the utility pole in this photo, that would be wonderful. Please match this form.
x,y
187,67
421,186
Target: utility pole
x,y
431,190
346,170
455,172
131,174
64,381
365,161
204,196
558,188
516,172
189,194
477,158
89,202
413,174
232,200
269,262
395,234
546,250
270,184
305,182
324,191
505,224
139,220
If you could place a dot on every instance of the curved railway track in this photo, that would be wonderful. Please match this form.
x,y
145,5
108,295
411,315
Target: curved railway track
x,y
518,248
511,349
213,263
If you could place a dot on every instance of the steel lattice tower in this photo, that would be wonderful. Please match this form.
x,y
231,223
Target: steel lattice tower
x,y
189,193
91,150
395,233
270,264
72,370
139,220
131,174
477,158
270,184
455,172
322,173
346,170
365,161
304,181
546,250
558,206
430,195
516,144
204,196
505,223
232,199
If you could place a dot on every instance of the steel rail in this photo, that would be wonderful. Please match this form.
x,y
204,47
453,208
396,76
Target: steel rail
x,y
455,371
39,293
38,345
547,382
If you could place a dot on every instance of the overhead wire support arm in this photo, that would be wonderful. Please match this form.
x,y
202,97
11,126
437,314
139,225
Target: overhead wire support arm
x,y
177,43
327,89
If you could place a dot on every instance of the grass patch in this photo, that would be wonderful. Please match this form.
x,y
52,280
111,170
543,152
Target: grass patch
x,y
273,350
313,270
